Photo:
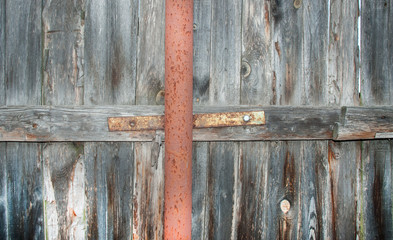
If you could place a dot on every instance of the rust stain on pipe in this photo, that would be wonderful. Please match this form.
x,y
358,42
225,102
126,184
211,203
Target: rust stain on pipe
x,y
178,118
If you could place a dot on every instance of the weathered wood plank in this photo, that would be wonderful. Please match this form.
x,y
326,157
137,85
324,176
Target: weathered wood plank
x,y
364,123
22,76
151,54
110,76
110,51
64,173
90,123
148,178
148,187
3,171
224,88
109,189
376,89
201,85
342,89
24,191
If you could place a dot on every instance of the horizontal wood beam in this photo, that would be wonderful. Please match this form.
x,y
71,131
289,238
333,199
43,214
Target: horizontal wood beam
x,y
90,123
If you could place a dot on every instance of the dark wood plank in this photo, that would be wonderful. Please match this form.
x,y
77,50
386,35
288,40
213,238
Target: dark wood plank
x,y
376,89
110,75
109,189
64,172
201,91
224,88
24,191
148,187
22,76
149,157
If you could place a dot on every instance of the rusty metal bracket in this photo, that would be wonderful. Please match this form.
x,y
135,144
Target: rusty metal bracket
x,y
202,120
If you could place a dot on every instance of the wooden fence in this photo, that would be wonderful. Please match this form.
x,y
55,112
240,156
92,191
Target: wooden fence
x,y
250,52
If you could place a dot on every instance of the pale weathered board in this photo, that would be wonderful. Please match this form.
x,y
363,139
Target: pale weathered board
x,y
63,168
22,76
375,202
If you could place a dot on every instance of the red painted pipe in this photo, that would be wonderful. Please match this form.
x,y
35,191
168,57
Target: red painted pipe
x,y
178,118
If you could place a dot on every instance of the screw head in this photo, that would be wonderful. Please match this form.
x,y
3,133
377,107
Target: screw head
x,y
246,118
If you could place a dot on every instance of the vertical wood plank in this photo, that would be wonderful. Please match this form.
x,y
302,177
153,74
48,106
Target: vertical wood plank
x,y
64,172
109,189
110,72
149,157
201,85
24,191
376,89
148,200
151,53
110,51
224,88
343,90
3,171
22,78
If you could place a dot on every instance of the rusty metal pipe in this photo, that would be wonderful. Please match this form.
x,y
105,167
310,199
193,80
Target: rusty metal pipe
x,y
178,118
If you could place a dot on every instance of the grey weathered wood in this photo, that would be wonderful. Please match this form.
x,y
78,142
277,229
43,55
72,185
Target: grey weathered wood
x,y
201,89
376,89
24,191
109,188
295,40
224,88
151,53
148,178
110,51
85,123
110,76
64,172
22,76
148,187
3,171
342,89
364,123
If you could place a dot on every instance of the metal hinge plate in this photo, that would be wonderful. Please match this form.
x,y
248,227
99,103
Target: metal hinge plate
x,y
202,120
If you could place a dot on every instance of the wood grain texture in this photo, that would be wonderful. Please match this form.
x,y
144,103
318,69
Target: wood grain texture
x,y
151,54
224,88
109,189
148,181
343,89
148,188
3,171
24,191
110,77
23,52
63,167
22,76
110,52
376,89
201,90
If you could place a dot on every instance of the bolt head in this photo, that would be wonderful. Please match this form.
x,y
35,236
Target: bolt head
x,y
246,118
